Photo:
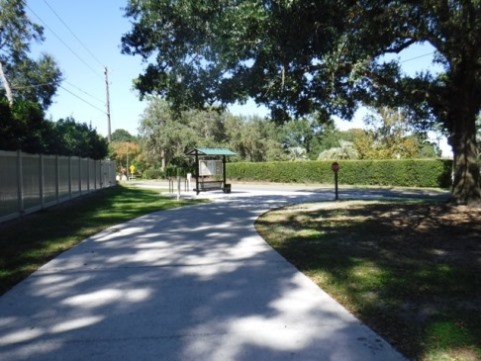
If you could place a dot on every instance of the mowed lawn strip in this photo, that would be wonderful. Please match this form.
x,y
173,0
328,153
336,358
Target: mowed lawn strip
x,y
409,270
28,243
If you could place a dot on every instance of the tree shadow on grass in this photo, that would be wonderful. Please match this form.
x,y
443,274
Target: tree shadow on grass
x,y
410,271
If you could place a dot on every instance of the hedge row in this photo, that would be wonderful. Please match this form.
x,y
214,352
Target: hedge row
x,y
403,173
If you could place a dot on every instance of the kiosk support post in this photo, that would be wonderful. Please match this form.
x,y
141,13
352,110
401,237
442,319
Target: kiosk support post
x,y
197,172
223,170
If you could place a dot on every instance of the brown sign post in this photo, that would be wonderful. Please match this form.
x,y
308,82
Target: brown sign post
x,y
335,168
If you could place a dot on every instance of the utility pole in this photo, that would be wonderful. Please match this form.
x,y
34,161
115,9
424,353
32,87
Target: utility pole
x,y
109,136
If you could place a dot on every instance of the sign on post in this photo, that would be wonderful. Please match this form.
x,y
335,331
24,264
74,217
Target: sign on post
x,y
335,168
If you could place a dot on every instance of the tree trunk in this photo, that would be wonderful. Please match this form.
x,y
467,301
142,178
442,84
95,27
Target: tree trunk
x,y
162,157
466,185
6,85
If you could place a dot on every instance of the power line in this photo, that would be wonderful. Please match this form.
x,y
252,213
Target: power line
x,y
19,87
64,43
84,92
417,57
82,99
73,34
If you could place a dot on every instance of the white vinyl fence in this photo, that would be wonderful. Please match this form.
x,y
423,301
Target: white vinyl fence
x,y
30,182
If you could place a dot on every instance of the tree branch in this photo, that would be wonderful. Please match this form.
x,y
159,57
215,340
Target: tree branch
x,y
6,85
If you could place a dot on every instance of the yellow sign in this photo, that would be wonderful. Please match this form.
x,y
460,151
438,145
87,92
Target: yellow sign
x,y
132,169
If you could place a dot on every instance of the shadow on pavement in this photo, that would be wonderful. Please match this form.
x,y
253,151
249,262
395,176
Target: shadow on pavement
x,y
195,283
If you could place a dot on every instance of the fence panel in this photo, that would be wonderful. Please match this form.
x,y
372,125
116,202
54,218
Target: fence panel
x,y
8,185
50,185
31,182
92,174
75,179
107,173
84,175
64,178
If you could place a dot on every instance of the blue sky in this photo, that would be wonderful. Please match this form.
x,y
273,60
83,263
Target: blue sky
x,y
99,25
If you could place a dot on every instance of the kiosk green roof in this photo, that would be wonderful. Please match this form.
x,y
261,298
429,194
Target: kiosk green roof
x,y
211,151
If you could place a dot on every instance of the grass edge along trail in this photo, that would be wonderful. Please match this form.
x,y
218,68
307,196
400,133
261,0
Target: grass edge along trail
x,y
407,269
31,241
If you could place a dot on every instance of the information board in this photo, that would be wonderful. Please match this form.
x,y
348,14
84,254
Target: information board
x,y
210,167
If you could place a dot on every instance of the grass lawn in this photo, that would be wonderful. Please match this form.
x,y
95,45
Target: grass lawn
x,y
409,270
29,242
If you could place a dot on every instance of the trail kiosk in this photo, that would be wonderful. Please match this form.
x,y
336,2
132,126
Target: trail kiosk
x,y
210,172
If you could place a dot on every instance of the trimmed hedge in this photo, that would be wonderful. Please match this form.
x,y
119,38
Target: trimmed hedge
x,y
403,173
153,174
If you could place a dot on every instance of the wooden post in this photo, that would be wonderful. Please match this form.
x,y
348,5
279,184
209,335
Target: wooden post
x,y
20,182
223,170
336,187
335,168
109,133
57,179
197,171
41,180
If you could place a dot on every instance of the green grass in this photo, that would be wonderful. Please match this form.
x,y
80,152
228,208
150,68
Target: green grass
x,y
411,271
28,243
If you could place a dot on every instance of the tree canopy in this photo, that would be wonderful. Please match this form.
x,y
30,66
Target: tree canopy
x,y
216,52
299,56
22,77
29,86
23,127
165,137
452,98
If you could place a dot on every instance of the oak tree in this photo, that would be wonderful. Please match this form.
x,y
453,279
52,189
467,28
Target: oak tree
x,y
298,57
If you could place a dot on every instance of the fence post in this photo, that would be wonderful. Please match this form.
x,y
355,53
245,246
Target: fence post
x,y
41,181
69,177
20,182
57,179
80,176
96,173
88,175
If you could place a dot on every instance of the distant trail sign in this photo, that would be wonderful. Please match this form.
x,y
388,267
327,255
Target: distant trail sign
x,y
335,168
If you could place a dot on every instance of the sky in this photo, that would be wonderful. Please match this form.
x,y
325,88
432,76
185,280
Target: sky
x,y
84,37
99,25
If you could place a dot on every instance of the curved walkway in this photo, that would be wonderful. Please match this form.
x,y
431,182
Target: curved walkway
x,y
195,283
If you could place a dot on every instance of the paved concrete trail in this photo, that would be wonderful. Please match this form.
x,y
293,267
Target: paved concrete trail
x,y
191,284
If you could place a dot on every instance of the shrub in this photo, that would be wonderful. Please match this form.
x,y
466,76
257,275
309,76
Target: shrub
x,y
173,171
153,174
404,172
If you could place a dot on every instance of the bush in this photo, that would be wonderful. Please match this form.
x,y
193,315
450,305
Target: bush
x,y
404,173
153,174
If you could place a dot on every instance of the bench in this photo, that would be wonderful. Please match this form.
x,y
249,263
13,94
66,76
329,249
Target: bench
x,y
210,186
213,186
